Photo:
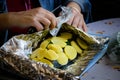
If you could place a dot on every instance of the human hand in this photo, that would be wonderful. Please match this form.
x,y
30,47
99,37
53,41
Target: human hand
x,y
38,18
77,19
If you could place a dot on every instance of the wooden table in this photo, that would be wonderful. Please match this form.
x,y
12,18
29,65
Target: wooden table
x,y
104,69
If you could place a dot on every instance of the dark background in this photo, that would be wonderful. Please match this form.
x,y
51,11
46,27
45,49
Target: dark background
x,y
105,9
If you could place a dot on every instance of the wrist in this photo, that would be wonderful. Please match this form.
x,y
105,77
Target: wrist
x,y
13,19
74,6
4,20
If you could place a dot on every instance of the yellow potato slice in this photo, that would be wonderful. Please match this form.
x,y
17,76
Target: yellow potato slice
x,y
60,38
62,59
82,43
36,59
47,62
66,35
78,49
44,43
70,52
59,42
51,55
55,47
38,53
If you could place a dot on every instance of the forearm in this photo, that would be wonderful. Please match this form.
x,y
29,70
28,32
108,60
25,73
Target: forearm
x,y
11,19
3,20
6,20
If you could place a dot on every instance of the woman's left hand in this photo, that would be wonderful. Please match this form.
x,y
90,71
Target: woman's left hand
x,y
77,19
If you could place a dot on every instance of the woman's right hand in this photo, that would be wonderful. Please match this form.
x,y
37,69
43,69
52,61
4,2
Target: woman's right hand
x,y
37,17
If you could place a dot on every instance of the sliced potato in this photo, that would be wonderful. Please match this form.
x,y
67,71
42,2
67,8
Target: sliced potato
x,y
59,42
51,55
44,43
47,62
36,59
70,52
62,59
78,49
61,39
66,35
38,53
55,47
82,43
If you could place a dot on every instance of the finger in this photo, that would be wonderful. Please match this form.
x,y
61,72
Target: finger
x,y
76,21
70,20
50,16
53,23
80,24
52,19
46,23
38,26
84,27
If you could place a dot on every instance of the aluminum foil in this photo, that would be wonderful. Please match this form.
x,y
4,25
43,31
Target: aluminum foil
x,y
65,16
18,48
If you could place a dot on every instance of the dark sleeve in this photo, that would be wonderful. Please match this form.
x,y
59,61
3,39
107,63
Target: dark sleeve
x,y
3,33
85,6
3,7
